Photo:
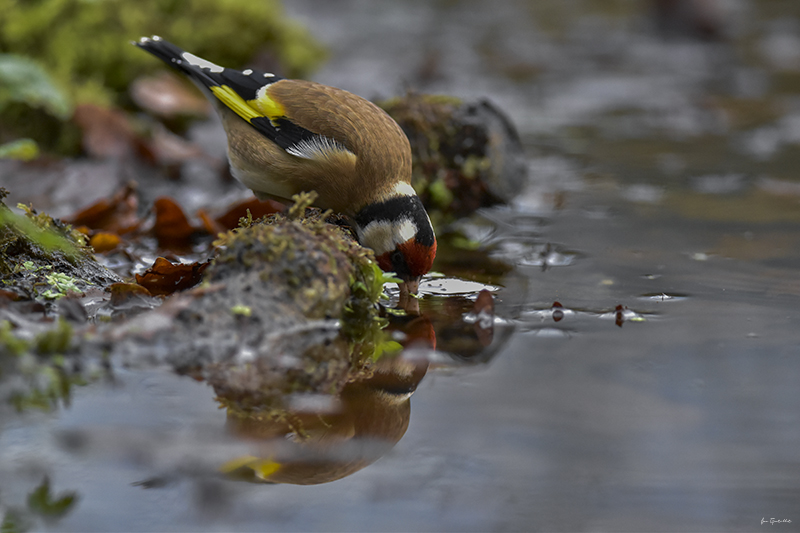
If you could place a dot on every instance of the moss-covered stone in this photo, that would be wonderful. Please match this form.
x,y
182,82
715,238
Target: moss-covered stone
x,y
288,305
43,258
466,155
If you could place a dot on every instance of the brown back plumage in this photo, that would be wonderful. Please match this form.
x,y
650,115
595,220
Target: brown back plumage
x,y
382,149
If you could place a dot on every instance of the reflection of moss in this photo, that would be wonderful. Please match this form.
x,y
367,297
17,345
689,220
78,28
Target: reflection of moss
x,y
55,340
40,363
360,322
9,342
290,277
14,522
45,504
40,503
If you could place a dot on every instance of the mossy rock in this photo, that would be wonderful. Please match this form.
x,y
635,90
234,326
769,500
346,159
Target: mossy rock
x,y
43,258
289,305
466,155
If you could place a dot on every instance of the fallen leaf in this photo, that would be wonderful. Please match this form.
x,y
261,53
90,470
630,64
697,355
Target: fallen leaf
x,y
107,133
104,241
10,295
165,277
258,208
168,96
113,215
122,293
172,228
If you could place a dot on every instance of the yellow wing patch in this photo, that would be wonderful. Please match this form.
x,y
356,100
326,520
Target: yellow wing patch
x,y
228,96
270,108
261,106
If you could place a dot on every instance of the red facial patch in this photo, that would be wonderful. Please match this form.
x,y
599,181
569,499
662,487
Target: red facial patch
x,y
418,256
385,261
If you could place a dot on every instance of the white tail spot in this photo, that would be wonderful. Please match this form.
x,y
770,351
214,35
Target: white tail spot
x,y
200,62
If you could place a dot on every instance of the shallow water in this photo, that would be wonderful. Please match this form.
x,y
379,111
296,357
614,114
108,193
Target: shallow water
x,y
661,215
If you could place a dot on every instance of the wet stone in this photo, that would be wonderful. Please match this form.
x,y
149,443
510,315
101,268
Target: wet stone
x,y
466,155
266,320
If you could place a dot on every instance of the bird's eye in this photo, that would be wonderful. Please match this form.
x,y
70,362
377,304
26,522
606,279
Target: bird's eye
x,y
397,256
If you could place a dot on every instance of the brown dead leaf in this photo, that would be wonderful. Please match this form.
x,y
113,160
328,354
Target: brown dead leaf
x,y
9,295
114,215
230,219
122,293
211,226
169,149
104,242
167,96
165,277
107,133
172,227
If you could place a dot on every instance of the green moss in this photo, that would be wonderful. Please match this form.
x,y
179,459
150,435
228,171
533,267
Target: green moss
x,y
42,502
55,54
242,310
40,231
22,149
56,340
23,80
41,257
347,284
9,342
445,156
303,256
85,44
440,195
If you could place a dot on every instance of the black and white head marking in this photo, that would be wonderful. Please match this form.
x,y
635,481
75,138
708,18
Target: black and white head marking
x,y
385,225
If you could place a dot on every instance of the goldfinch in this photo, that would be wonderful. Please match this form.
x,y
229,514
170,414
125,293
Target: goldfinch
x,y
289,136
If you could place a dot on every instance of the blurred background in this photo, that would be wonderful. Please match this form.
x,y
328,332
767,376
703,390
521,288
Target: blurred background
x,y
648,380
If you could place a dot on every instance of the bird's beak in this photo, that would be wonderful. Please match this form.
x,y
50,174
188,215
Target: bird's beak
x,y
409,305
410,286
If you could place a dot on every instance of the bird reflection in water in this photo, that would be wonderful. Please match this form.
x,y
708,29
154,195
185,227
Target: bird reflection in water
x,y
317,438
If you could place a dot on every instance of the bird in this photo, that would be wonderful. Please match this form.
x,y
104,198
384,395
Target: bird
x,y
287,136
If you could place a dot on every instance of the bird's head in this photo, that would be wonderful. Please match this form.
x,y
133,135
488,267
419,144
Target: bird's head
x,y
400,233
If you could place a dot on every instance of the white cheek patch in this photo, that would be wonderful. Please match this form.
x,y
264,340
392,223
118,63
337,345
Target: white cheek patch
x,y
384,236
378,236
406,230
200,62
